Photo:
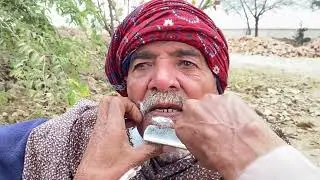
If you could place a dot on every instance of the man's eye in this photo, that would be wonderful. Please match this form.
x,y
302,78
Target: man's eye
x,y
187,63
141,66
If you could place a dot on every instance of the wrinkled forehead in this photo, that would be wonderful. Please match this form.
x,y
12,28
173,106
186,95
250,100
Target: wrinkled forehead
x,y
171,48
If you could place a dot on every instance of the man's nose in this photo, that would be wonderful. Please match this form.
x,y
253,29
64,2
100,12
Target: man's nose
x,y
164,78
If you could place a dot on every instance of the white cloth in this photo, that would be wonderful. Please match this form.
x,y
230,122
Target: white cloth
x,y
281,164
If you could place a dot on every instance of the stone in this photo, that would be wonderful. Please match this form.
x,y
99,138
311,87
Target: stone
x,y
267,112
272,91
269,47
4,114
305,125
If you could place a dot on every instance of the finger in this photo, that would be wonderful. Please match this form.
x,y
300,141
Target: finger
x,y
189,106
132,111
118,108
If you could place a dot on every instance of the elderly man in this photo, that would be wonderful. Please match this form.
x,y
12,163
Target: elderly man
x,y
166,59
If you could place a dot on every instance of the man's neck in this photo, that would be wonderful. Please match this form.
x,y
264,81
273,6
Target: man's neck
x,y
171,157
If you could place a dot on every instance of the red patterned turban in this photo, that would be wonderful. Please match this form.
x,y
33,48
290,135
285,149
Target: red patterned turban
x,y
164,20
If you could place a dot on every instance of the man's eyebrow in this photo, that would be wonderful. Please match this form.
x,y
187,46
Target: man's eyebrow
x,y
143,55
185,52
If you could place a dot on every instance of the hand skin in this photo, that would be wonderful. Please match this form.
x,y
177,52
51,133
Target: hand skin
x,y
109,154
223,133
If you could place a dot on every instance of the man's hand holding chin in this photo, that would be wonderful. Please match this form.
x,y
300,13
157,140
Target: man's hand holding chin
x,y
224,133
109,154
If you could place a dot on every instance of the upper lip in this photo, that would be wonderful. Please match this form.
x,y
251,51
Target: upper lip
x,y
177,107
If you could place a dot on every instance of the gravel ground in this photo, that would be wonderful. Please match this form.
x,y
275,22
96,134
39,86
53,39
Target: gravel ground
x,y
284,92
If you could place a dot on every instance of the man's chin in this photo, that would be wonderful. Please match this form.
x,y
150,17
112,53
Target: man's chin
x,y
170,149
171,154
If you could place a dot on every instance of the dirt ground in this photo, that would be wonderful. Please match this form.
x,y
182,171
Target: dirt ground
x,y
289,102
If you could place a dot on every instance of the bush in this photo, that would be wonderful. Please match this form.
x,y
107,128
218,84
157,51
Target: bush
x,y
299,37
41,62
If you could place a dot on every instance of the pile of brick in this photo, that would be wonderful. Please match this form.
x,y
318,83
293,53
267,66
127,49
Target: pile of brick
x,y
272,47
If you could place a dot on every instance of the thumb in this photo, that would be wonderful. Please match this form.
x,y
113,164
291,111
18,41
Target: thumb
x,y
146,151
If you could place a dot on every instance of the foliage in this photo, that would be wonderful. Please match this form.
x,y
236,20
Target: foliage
x,y
42,61
299,36
206,4
315,4
3,98
86,13
78,91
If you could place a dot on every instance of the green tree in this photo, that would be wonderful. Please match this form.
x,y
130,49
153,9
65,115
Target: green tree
x,y
206,4
42,61
315,4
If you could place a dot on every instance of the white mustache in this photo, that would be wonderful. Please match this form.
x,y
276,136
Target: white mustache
x,y
157,97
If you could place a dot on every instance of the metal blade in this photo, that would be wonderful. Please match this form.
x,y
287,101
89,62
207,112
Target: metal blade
x,y
162,135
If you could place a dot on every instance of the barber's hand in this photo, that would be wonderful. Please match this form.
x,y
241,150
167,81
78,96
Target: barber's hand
x,y
109,154
223,133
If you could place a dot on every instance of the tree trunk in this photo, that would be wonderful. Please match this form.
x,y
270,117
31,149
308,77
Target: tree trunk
x,y
248,32
111,17
256,26
128,7
200,5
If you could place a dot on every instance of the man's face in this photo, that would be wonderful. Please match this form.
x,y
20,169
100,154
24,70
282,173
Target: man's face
x,y
167,69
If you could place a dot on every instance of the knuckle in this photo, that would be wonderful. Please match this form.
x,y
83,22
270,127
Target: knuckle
x,y
191,104
111,100
104,101
211,97
116,100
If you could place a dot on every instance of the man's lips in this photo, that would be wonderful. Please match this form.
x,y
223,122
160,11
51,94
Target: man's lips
x,y
165,109
163,112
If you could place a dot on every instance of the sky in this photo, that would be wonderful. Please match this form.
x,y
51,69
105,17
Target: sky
x,y
286,18
281,18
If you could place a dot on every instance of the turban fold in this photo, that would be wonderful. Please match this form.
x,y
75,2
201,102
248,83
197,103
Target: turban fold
x,y
164,20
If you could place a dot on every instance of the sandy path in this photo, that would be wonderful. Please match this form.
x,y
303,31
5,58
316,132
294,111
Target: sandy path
x,y
305,66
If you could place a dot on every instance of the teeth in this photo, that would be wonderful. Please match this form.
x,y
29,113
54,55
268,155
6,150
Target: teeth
x,y
167,110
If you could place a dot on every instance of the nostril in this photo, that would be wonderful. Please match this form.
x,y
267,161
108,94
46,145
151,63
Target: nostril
x,y
164,84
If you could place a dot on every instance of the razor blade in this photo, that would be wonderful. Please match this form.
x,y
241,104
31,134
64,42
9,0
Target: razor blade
x,y
161,131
